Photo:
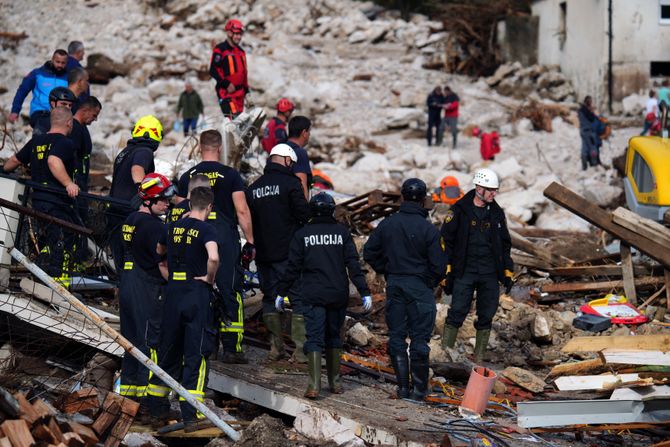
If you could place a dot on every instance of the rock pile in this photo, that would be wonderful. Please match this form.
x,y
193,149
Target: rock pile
x,y
518,81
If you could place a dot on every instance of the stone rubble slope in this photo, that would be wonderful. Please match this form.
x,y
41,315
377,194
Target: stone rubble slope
x,y
361,81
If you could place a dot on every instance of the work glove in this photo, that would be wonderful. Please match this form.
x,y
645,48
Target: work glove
x,y
508,283
367,303
279,303
248,254
448,284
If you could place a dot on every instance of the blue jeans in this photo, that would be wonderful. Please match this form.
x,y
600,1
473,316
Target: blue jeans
x,y
190,123
410,310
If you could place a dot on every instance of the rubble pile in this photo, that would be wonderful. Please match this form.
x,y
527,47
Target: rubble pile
x,y
545,81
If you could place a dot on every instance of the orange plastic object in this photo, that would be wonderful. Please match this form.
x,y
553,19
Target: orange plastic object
x,y
479,388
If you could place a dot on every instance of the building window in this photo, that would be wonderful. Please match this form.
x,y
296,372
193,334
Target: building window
x,y
644,179
563,23
664,12
659,68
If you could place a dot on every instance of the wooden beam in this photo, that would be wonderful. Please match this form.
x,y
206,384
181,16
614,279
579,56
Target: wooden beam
x,y
594,270
602,219
652,298
521,243
635,357
600,382
627,273
641,225
597,344
547,233
527,260
574,368
598,285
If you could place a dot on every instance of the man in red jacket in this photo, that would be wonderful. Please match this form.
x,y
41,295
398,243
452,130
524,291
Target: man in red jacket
x,y
450,120
275,132
229,69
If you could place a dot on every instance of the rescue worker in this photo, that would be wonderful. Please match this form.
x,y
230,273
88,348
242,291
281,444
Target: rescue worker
x,y
228,67
86,114
51,160
40,82
450,121
183,208
187,329
405,248
278,209
141,288
58,97
77,83
231,208
275,131
586,115
434,103
131,165
321,253
478,249
299,130
449,191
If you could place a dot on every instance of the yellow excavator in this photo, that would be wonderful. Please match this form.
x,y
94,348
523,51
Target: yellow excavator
x,y
647,180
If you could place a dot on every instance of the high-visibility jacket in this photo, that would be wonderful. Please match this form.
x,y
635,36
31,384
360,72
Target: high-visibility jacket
x,y
229,66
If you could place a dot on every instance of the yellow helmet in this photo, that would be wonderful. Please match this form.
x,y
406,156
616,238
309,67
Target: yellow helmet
x,y
148,126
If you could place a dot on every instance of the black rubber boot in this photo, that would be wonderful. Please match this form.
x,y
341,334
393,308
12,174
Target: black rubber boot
x,y
419,378
401,368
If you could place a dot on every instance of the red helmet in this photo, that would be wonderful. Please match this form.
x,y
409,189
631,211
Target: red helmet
x,y
235,26
284,105
155,186
476,131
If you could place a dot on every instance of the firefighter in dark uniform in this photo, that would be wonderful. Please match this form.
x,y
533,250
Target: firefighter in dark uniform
x,y
478,249
141,288
52,161
183,208
230,208
228,68
132,164
278,209
187,329
321,254
406,248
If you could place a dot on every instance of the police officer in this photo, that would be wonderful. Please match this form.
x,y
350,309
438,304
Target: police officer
x,y
51,160
231,207
320,254
132,164
405,247
228,68
187,329
478,249
278,209
141,288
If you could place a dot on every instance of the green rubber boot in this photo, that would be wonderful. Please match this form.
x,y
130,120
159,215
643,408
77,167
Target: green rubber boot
x,y
298,337
481,343
333,368
314,370
449,334
273,323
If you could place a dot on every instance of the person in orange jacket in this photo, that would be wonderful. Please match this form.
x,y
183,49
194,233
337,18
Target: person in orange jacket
x,y
449,191
228,67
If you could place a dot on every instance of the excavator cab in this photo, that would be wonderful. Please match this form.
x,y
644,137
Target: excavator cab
x,y
647,180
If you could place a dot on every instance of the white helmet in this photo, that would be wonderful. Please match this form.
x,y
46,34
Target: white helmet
x,y
487,178
284,150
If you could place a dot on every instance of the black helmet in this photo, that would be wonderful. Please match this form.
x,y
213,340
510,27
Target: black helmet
x,y
413,189
62,94
322,204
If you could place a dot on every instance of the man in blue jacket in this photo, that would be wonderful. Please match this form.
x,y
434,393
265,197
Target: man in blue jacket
x,y
40,82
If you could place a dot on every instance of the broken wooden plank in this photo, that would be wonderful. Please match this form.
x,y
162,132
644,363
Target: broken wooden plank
x,y
652,297
547,233
42,409
646,227
42,433
28,413
643,394
5,442
18,433
597,344
601,218
524,379
54,428
627,273
111,408
594,270
73,440
521,243
84,432
84,401
574,368
527,260
599,382
648,281
119,430
635,357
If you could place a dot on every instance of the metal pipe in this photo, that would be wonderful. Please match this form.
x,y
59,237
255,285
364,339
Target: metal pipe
x,y
46,217
125,344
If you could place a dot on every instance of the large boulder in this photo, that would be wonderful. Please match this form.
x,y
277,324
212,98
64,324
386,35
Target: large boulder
x,y
102,68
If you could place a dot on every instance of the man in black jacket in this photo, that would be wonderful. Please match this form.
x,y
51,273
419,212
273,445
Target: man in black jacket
x,y
478,249
321,254
406,248
278,209
434,103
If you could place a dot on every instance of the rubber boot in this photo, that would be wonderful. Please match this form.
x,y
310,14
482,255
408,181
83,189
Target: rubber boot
x,y
419,368
333,368
481,343
401,367
298,337
449,334
273,323
314,370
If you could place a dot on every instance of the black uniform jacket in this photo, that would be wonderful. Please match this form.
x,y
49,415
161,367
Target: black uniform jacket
x,y
322,252
405,243
278,208
456,229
